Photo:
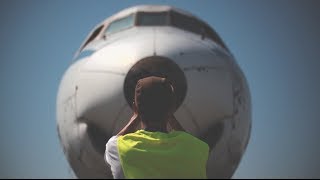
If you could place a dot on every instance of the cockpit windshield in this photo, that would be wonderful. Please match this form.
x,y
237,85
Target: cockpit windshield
x,y
152,18
159,18
167,18
120,24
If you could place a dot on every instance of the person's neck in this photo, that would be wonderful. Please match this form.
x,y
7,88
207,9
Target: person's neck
x,y
162,128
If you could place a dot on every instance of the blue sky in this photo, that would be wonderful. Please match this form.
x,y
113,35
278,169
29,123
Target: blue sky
x,y
276,44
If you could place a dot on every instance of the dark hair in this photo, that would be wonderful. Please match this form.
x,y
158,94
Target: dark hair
x,y
154,98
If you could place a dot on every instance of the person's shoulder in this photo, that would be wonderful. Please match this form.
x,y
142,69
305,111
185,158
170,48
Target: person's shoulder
x,y
192,138
112,141
113,138
182,133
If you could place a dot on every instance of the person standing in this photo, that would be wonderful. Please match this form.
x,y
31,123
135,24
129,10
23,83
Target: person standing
x,y
153,144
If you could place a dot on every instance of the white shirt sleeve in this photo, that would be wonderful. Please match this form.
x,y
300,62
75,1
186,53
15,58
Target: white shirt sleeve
x,y
112,158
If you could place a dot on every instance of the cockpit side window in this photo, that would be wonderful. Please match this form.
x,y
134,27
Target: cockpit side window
x,y
152,18
120,24
93,35
193,25
210,33
185,22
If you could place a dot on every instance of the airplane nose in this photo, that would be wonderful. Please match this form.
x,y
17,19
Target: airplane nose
x,y
156,66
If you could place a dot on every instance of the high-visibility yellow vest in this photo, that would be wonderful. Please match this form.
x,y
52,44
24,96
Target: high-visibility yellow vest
x,y
176,154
